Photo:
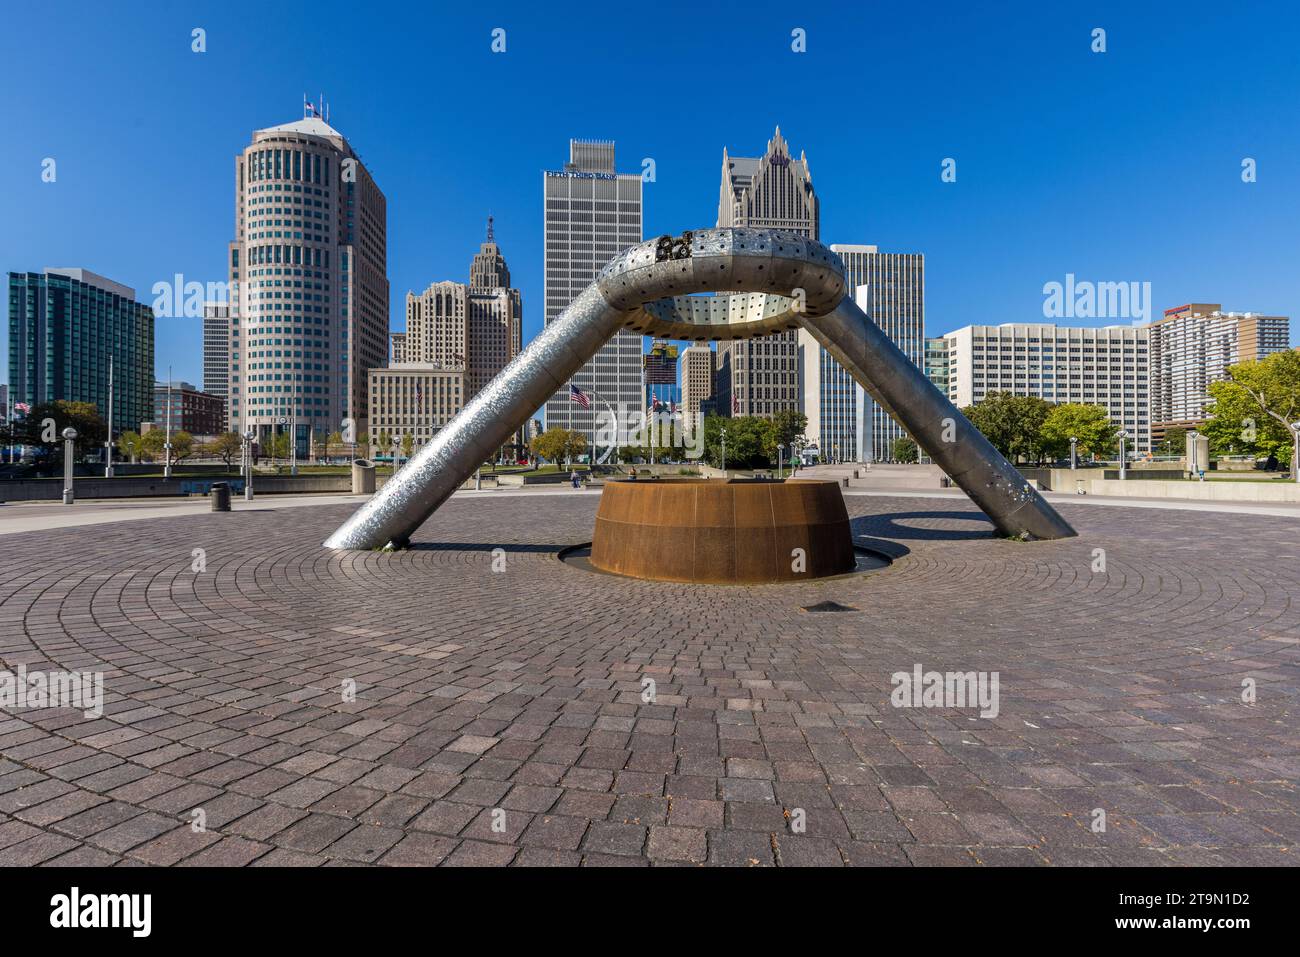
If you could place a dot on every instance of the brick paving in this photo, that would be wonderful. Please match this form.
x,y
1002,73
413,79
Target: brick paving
x,y
498,715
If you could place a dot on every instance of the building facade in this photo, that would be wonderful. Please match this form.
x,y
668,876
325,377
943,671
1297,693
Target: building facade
x,y
697,383
472,330
64,327
592,214
1192,346
192,410
772,191
412,398
216,349
1109,367
894,298
936,362
309,262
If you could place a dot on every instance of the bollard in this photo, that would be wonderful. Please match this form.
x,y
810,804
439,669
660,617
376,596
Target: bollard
x,y
220,497
363,477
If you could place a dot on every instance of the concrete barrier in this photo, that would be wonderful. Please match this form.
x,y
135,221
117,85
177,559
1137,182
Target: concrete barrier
x,y
51,490
1277,491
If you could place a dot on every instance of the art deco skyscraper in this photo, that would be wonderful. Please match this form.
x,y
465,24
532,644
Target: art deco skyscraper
x,y
773,191
310,260
495,315
592,214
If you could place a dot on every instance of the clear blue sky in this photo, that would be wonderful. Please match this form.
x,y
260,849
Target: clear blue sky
x,y
1115,167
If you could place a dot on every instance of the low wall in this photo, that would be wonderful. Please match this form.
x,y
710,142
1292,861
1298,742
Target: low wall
x,y
1275,491
51,490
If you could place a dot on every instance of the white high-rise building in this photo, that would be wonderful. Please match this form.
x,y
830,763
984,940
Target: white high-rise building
x,y
592,214
310,262
1192,346
1109,367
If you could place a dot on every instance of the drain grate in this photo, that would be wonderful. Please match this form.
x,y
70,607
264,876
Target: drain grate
x,y
828,606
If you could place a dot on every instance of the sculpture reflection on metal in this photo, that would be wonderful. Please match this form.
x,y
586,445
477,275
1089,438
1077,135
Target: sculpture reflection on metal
x,y
766,281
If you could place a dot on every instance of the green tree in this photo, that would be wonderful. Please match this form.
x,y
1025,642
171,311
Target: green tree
x,y
43,427
155,440
227,446
1174,443
276,446
558,445
787,425
130,445
904,450
1260,401
408,445
1087,423
748,441
1012,423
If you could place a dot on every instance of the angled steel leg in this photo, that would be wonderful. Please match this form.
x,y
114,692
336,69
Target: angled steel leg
x,y
947,436
490,418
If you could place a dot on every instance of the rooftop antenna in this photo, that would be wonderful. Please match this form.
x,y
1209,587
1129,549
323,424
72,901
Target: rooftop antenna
x,y
489,236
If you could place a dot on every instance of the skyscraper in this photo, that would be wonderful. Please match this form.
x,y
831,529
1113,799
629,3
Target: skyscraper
x,y
1192,346
592,214
894,298
309,262
216,349
495,315
64,325
772,191
697,382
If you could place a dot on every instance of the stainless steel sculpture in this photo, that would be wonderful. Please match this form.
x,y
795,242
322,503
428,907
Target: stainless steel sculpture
x,y
765,281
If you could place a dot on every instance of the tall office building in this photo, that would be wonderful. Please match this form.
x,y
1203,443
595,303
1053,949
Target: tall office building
x,y
64,325
592,214
1109,367
1192,346
496,314
310,262
697,382
474,328
216,351
895,300
772,191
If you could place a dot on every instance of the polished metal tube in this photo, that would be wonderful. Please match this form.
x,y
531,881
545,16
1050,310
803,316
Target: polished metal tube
x,y
947,436
408,498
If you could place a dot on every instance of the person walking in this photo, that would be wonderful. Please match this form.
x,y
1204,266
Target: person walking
x,y
573,477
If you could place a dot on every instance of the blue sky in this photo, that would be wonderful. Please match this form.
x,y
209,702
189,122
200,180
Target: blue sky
x,y
1120,166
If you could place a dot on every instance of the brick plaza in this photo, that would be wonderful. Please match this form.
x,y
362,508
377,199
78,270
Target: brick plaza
x,y
499,716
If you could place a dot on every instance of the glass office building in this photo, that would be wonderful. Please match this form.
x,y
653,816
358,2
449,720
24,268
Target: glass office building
x,y
64,324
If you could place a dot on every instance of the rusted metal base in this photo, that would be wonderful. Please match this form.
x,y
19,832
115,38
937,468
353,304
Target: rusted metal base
x,y
723,531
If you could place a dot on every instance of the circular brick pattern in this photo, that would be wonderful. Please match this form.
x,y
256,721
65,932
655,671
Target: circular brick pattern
x,y
499,714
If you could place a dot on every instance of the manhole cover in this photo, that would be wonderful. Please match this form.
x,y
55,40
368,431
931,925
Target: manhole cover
x,y
828,606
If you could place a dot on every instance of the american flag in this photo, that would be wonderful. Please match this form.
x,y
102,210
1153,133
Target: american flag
x,y
22,407
419,398
735,404
578,396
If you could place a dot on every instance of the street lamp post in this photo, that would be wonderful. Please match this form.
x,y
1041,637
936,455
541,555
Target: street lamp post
x,y
724,451
780,459
69,437
1074,453
108,442
1123,455
167,441
248,465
